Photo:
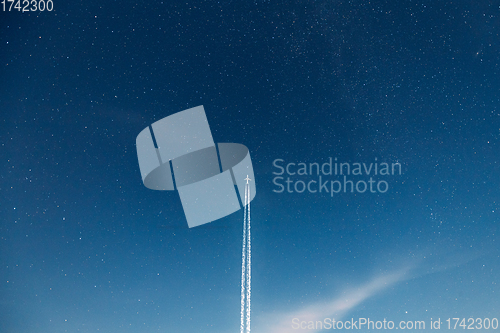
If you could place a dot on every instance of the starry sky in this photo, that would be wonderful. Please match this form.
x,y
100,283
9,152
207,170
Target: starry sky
x,y
85,247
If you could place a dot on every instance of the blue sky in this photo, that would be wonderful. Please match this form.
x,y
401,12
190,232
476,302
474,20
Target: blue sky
x,y
85,247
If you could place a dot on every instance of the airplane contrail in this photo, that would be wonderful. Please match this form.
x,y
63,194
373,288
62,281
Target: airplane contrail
x,y
246,265
249,261
243,264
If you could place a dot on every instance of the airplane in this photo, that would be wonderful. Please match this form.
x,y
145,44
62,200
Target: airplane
x,y
247,179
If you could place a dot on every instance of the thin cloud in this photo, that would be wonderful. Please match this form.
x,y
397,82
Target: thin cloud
x,y
429,261
336,308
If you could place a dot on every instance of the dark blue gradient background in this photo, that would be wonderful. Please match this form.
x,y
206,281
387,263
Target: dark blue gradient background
x,y
85,247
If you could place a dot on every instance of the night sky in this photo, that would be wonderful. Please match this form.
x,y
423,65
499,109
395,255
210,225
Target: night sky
x,y
85,247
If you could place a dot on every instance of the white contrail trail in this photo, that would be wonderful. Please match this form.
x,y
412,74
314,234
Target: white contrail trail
x,y
243,263
249,261
246,266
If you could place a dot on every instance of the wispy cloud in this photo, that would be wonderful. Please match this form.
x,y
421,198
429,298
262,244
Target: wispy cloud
x,y
338,307
416,264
